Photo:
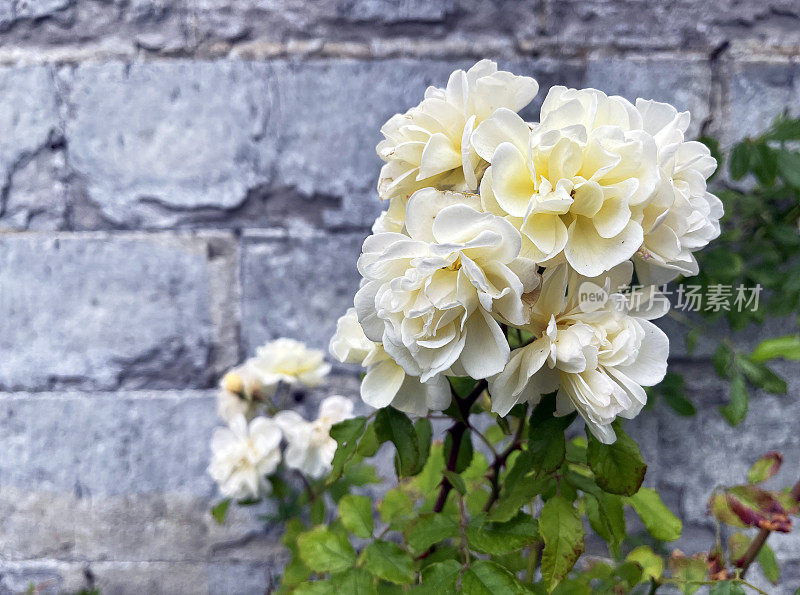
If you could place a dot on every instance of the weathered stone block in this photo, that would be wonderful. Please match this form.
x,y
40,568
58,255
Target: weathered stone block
x,y
101,311
155,140
296,284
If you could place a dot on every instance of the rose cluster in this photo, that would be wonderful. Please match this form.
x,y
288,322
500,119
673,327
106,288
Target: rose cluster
x,y
249,450
495,229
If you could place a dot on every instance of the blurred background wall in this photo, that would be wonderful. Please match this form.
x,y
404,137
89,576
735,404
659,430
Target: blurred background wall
x,y
182,180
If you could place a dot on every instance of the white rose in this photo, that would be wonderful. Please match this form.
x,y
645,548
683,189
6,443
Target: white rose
x,y
433,297
290,362
244,455
239,393
684,216
598,360
569,184
311,447
385,382
429,144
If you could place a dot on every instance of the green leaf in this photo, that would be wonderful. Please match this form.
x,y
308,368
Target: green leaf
x,y
672,389
765,467
325,551
722,360
395,506
317,512
783,129
439,578
220,511
761,376
546,444
606,515
356,514
387,561
368,445
465,451
764,163
736,409
689,570
424,432
618,468
652,564
784,347
501,538
562,531
356,581
429,529
485,577
769,565
393,426
456,481
315,588
789,167
726,588
515,496
346,433
657,518
740,160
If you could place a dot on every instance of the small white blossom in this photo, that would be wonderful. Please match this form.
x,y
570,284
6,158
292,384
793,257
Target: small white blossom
x,y
244,455
311,447
239,393
598,358
429,144
433,297
385,382
290,362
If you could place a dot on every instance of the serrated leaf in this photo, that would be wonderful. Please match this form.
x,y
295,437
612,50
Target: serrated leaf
x,y
736,409
722,360
562,531
368,445
356,581
619,467
220,511
439,578
429,529
515,496
325,551
346,433
485,577
783,129
315,588
356,514
657,518
396,505
387,561
394,426
606,515
546,445
424,432
765,467
501,538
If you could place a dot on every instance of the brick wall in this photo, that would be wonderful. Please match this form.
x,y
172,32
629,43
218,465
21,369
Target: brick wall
x,y
182,180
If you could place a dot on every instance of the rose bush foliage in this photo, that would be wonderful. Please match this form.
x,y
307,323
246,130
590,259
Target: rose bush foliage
x,y
495,309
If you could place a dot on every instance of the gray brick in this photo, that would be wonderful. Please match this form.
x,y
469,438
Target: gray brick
x,y
681,82
296,284
102,311
759,91
154,139
31,170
